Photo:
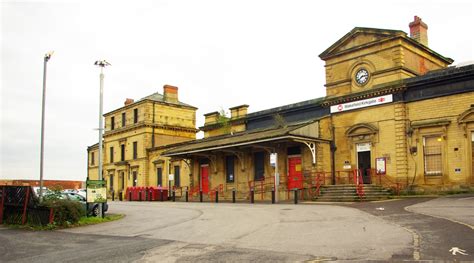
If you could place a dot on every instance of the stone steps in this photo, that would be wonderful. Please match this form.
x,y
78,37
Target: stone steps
x,y
348,193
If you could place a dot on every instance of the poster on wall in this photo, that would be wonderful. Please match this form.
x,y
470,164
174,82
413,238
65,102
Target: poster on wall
x,y
96,191
380,165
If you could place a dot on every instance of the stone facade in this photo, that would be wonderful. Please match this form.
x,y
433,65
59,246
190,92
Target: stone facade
x,y
134,131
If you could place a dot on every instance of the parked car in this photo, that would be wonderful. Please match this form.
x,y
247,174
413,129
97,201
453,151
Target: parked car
x,y
91,208
36,191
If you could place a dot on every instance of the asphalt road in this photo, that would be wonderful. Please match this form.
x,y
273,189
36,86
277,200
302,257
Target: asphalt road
x,y
203,232
437,225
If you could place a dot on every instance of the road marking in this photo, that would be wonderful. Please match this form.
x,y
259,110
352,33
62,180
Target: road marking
x,y
440,217
455,250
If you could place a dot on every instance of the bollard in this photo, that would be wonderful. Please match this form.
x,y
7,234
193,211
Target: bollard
x,y
130,196
174,195
296,196
273,195
200,196
146,195
233,195
161,195
217,196
139,195
251,196
120,196
187,198
113,196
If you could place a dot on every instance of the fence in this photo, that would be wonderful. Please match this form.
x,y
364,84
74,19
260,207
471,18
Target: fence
x,y
18,205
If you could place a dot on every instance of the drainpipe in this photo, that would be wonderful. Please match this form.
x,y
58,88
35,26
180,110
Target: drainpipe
x,y
153,128
333,155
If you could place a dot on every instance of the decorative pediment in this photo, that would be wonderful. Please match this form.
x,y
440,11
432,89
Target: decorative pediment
x,y
360,37
467,116
361,129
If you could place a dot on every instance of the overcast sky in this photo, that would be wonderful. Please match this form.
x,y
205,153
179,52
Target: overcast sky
x,y
219,53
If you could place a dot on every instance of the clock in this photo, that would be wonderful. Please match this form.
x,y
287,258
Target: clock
x,y
362,76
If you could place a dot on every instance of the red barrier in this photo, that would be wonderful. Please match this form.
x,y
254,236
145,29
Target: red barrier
x,y
25,206
1,205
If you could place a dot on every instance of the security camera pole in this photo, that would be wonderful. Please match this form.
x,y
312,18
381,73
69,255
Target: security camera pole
x,y
102,64
47,56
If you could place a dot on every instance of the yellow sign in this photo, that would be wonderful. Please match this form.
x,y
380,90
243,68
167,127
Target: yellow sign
x,y
97,195
298,167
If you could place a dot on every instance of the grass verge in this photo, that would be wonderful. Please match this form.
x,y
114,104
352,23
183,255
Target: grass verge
x,y
84,221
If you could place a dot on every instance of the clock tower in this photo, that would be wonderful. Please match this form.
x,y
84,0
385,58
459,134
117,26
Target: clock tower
x,y
368,58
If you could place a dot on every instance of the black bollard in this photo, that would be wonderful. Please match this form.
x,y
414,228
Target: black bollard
x,y
120,196
130,196
174,195
217,197
296,196
161,195
113,196
273,195
186,197
251,195
233,195
200,196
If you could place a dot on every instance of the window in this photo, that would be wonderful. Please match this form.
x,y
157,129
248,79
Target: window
x,y
135,115
112,123
92,158
111,178
122,178
159,176
111,154
259,166
134,178
177,179
124,119
432,155
134,150
122,152
229,168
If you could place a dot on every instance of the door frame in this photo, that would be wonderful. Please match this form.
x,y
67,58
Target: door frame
x,y
200,175
288,157
357,159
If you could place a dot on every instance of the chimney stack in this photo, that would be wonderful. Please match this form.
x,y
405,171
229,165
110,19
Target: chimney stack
x,y
238,111
419,31
128,101
170,93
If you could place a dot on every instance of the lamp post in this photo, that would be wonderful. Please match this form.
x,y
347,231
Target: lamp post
x,y
47,56
102,64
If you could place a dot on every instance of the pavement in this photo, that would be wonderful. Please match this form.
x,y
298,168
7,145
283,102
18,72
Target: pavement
x,y
395,230
437,224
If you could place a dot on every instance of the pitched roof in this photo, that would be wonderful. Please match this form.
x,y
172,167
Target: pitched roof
x,y
160,98
342,45
302,130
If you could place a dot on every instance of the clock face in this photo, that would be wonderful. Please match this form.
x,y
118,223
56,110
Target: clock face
x,y
362,76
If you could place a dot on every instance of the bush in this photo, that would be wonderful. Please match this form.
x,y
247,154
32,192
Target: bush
x,y
66,212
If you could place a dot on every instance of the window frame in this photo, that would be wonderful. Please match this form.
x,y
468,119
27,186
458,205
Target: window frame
x,y
230,165
112,123
135,115
124,119
92,158
122,152
111,154
428,156
135,150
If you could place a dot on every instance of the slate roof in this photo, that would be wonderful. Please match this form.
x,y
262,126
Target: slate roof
x,y
242,138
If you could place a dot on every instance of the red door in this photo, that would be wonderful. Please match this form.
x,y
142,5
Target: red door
x,y
295,176
205,178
